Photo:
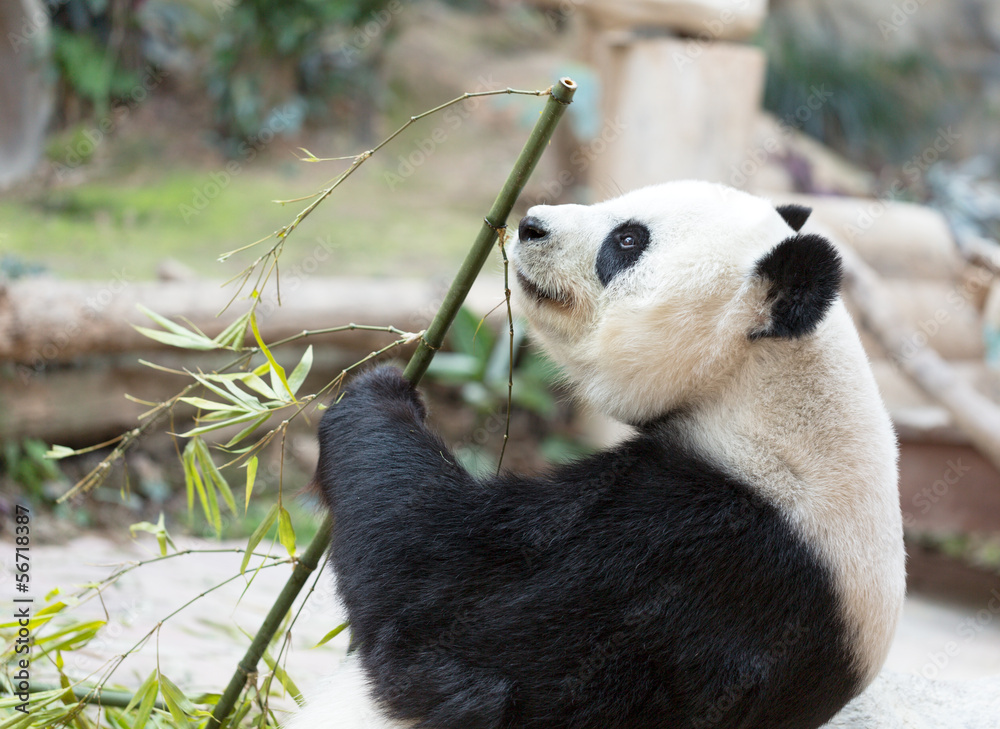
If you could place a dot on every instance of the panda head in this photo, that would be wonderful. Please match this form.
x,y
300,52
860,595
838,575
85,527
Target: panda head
x,y
655,299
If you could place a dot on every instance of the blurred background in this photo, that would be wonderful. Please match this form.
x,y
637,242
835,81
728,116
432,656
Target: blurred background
x,y
141,139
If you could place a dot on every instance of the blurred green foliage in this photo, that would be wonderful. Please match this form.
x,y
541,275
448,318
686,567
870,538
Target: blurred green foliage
x,y
874,108
88,68
25,464
89,42
253,57
478,363
321,49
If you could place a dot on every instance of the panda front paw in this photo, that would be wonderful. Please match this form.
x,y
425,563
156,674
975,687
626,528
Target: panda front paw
x,y
381,390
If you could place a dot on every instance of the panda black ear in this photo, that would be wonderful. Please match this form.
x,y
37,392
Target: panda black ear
x,y
795,215
803,275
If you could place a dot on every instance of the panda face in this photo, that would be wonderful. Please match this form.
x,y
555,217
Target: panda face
x,y
668,274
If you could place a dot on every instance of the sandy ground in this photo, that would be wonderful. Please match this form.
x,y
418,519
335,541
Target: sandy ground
x,y
199,647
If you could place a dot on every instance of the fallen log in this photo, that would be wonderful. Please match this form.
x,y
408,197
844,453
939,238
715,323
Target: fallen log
x,y
86,404
974,413
46,322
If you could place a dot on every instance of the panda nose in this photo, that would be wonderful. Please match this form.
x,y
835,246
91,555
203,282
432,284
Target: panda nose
x,y
531,228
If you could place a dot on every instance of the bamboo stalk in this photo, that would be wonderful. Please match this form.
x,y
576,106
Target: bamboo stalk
x,y
561,95
98,695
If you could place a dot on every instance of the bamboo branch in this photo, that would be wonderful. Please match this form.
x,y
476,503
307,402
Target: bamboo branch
x,y
560,96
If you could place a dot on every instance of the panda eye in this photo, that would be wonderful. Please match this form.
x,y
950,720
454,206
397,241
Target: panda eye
x,y
621,249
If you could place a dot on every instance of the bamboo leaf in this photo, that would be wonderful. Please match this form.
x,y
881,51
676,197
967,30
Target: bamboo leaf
x,y
140,692
42,616
205,495
206,381
251,477
257,535
201,430
286,533
179,697
18,721
332,634
248,430
170,326
217,415
57,451
276,369
213,474
203,404
234,335
159,530
177,703
251,403
256,384
189,340
72,638
301,371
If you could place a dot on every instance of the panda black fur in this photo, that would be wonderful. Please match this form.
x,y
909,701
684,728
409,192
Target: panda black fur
x,y
737,563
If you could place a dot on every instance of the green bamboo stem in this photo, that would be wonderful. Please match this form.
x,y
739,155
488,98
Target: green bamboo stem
x,y
97,695
560,97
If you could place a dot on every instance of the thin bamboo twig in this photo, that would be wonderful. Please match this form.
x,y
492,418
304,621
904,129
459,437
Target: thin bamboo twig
x,y
510,339
560,96
282,233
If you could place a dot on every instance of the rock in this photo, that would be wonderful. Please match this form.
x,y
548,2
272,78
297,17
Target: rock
x,y
170,269
711,19
681,109
940,314
782,158
897,239
25,87
901,701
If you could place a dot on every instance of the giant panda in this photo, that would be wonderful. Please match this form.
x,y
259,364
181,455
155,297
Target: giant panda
x,y
737,563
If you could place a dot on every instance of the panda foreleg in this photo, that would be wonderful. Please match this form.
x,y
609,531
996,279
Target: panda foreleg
x,y
418,544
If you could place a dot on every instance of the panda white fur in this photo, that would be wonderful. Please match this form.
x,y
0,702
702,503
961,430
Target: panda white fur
x,y
738,563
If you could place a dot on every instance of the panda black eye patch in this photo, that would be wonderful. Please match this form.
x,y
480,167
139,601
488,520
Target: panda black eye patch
x,y
621,250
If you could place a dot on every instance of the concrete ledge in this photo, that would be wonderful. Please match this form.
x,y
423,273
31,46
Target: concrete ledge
x,y
902,701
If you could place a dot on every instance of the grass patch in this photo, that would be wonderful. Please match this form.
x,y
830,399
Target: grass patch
x,y
98,229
